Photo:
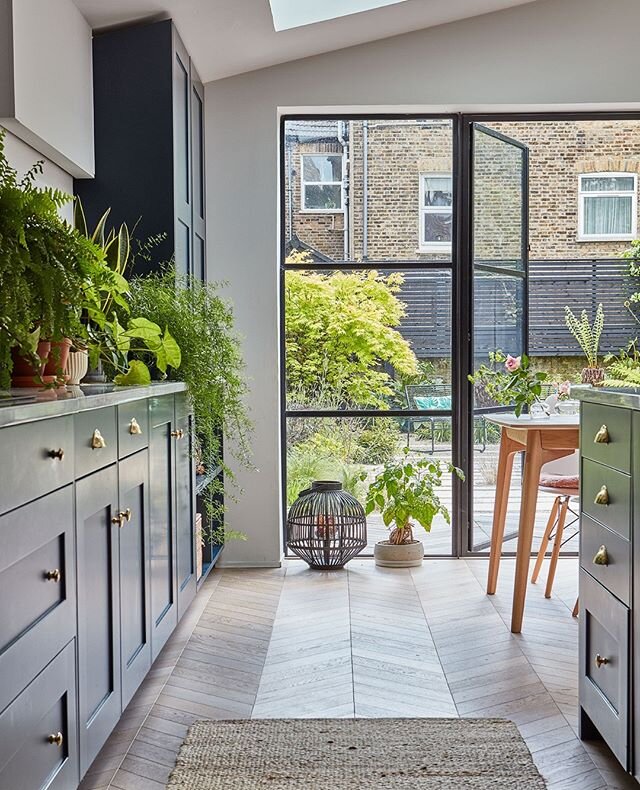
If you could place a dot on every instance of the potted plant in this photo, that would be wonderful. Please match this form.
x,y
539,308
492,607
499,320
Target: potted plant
x,y
405,492
212,368
511,381
45,265
588,336
106,304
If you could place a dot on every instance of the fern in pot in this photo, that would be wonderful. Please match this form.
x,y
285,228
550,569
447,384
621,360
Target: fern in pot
x,y
405,493
588,336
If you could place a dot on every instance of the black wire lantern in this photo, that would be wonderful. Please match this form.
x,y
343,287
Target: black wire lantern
x,y
326,526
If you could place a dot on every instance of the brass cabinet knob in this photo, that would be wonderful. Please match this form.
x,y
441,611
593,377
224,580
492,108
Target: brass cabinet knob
x,y
601,556
56,738
57,454
602,437
122,517
53,576
97,440
134,427
602,497
178,434
601,660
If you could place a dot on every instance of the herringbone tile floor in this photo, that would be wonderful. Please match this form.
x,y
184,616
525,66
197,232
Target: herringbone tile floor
x,y
364,642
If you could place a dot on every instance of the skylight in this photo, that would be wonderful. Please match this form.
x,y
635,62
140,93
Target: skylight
x,y
296,13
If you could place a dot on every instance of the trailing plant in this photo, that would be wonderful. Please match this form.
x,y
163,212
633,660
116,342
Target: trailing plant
x,y
588,335
106,302
201,322
406,492
45,266
510,381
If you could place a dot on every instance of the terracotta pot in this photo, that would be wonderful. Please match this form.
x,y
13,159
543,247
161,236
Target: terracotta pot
x,y
593,376
24,374
58,357
77,366
402,555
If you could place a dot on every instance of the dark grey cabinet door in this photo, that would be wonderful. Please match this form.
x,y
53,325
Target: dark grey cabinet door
x,y
182,155
164,609
98,610
185,506
135,613
199,239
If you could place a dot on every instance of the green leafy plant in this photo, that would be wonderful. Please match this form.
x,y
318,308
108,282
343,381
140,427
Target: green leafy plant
x,y
406,492
623,369
46,266
588,335
106,301
340,331
201,322
305,464
510,381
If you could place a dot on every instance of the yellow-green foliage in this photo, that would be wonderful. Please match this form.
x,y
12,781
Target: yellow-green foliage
x,y
340,330
587,335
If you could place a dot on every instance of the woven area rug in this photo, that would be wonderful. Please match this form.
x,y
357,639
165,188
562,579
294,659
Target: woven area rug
x,y
355,754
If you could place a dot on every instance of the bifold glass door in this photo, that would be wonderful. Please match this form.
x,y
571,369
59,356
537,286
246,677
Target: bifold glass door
x,y
499,260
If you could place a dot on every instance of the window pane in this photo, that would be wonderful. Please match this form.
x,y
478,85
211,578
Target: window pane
x,y
438,191
607,183
322,168
368,340
350,448
323,197
437,227
608,216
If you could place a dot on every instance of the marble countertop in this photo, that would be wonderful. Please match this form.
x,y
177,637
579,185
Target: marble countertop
x,y
28,405
627,397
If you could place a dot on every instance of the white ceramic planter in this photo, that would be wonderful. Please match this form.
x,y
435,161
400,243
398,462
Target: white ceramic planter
x,y
77,366
405,555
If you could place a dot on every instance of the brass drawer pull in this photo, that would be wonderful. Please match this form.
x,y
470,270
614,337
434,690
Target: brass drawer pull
x,y
53,576
122,517
98,440
601,556
602,437
601,660
56,738
57,454
602,497
179,434
134,427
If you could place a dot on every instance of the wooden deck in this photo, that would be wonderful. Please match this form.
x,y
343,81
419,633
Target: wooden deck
x,y
364,642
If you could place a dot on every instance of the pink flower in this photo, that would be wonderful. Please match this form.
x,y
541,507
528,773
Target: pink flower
x,y
512,364
564,388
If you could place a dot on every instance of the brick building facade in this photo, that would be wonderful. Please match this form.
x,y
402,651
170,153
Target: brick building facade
x,y
399,151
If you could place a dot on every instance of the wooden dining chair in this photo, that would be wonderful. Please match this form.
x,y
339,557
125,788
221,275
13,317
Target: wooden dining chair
x,y
561,479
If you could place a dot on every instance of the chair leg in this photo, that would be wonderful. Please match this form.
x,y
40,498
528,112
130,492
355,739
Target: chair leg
x,y
576,608
557,544
544,544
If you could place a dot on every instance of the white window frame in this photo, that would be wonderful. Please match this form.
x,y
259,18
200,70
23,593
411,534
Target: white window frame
x,y
582,236
304,184
432,246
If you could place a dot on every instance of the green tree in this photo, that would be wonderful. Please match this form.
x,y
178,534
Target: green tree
x,y
340,331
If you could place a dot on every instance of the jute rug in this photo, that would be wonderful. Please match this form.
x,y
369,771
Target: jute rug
x,y
355,754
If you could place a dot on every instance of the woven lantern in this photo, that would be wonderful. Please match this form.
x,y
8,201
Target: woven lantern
x,y
326,526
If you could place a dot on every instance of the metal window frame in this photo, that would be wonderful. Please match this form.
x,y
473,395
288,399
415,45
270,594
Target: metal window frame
x,y
460,265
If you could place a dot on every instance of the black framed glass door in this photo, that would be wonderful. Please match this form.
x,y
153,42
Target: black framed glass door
x,y
498,246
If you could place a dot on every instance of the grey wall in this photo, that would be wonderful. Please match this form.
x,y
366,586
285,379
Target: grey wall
x,y
553,52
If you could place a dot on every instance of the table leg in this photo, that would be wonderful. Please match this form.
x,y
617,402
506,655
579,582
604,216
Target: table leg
x,y
533,461
508,450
